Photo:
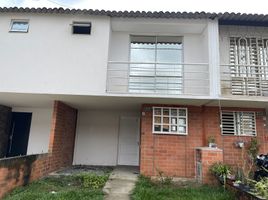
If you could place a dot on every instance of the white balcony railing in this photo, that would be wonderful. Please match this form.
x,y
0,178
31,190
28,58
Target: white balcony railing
x,y
245,80
158,78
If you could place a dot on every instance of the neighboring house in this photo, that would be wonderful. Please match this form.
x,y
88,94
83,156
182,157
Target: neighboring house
x,y
147,88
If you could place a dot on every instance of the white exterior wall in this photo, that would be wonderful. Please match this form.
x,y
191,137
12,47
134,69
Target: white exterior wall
x,y
195,50
97,137
50,59
39,130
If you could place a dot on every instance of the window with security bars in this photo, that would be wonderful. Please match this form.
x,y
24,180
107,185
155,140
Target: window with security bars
x,y
238,123
156,65
170,120
249,66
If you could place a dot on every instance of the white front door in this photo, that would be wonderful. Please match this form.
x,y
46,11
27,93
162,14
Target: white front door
x,y
129,139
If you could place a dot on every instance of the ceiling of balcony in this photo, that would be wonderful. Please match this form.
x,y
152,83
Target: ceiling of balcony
x,y
123,102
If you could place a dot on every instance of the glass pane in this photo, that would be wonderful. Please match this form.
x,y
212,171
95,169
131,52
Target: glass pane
x,y
182,112
174,112
143,41
169,46
142,70
143,45
173,128
157,111
165,111
166,120
169,70
182,129
169,40
157,128
19,26
173,120
142,55
157,120
169,56
141,84
165,128
182,121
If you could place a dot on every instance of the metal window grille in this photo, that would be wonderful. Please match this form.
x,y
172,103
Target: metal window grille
x,y
249,62
238,123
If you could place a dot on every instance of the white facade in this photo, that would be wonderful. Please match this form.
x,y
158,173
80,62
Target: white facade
x,y
63,57
50,59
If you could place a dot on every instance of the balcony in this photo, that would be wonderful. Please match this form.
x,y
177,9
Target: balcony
x,y
244,80
158,78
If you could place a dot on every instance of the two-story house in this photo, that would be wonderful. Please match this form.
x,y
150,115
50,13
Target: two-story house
x,y
146,88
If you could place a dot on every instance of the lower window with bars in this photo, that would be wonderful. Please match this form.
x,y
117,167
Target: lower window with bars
x,y
238,123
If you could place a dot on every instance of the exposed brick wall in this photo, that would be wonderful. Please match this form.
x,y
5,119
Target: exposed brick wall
x,y
19,171
174,154
5,118
231,153
207,157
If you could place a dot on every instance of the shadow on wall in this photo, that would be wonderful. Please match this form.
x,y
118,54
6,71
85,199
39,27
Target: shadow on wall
x,y
19,168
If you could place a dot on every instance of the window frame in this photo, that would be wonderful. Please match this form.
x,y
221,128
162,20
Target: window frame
x,y
177,116
19,20
160,91
236,132
84,24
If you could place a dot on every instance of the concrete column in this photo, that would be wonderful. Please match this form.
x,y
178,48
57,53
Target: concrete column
x,y
214,58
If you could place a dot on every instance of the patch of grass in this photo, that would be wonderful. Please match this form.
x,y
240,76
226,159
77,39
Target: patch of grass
x,y
149,190
60,188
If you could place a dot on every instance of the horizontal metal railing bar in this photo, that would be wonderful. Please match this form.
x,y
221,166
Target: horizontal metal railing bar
x,y
116,85
154,63
135,82
156,76
259,80
169,89
243,65
245,73
184,79
185,72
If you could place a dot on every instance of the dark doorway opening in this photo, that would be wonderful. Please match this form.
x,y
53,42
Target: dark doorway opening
x,y
19,133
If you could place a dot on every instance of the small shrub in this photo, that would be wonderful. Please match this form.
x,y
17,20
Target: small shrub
x,y
261,187
221,170
93,181
164,180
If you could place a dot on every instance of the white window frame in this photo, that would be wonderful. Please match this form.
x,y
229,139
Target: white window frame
x,y
237,128
19,31
155,90
177,116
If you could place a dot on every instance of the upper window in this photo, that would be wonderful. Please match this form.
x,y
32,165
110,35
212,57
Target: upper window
x,y
170,120
156,64
82,28
19,26
238,123
249,62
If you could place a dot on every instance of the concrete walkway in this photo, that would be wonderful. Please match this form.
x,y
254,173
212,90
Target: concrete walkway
x,y
121,183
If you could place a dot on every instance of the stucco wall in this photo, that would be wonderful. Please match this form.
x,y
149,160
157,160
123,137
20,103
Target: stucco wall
x,y
97,137
39,130
49,58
